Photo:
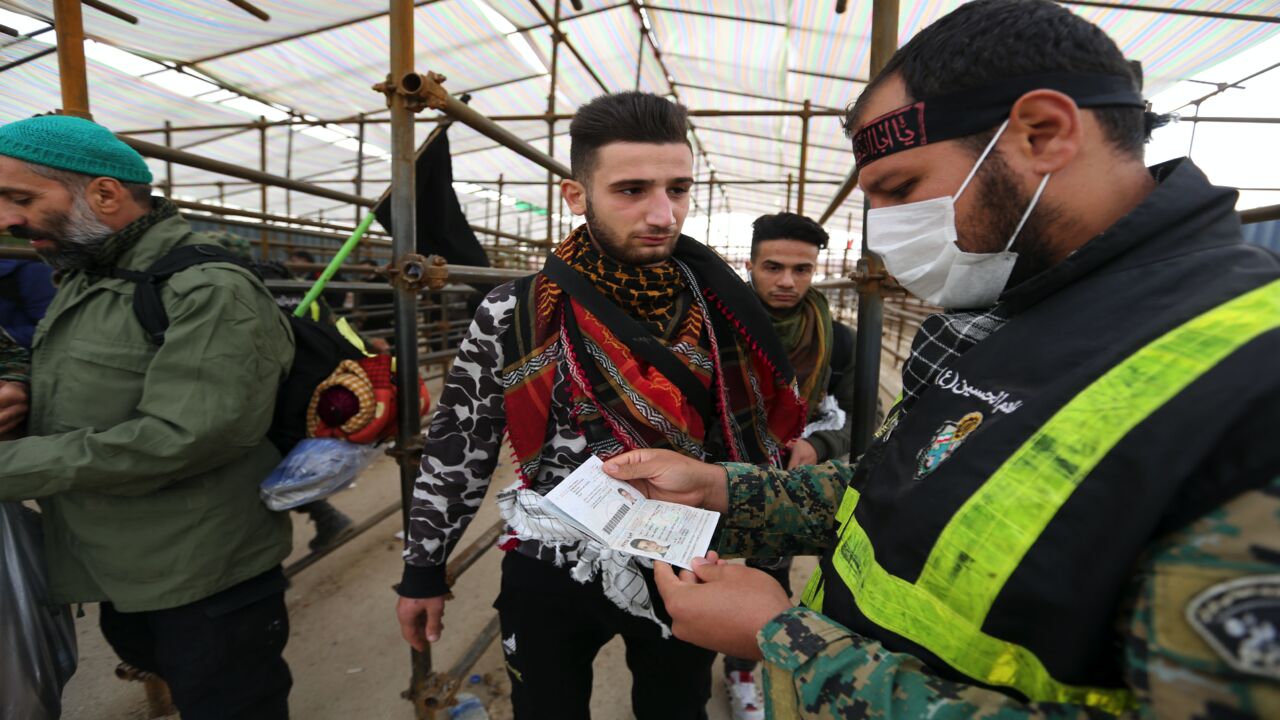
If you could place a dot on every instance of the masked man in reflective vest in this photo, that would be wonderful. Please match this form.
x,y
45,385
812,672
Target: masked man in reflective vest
x,y
1072,511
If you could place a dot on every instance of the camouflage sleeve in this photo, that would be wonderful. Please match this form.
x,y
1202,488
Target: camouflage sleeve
x,y
15,360
463,446
816,668
1203,640
775,512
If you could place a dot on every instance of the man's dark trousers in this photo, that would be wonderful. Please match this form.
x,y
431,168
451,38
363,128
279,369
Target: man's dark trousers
x,y
552,628
221,656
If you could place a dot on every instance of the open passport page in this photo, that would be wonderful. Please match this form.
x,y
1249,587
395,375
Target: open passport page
x,y
619,516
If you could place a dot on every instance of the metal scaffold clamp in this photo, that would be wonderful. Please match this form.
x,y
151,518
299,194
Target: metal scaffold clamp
x,y
436,273
871,277
419,91
438,692
409,451
415,272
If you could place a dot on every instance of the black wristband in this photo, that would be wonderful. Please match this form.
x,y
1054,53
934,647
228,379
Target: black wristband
x,y
422,582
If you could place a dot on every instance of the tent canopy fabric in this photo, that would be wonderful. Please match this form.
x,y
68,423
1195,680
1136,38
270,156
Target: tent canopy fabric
x,y
202,62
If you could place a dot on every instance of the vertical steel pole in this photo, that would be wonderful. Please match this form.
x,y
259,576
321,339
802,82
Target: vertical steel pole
x,y
288,170
866,371
640,58
359,183
844,264
262,192
68,24
404,241
789,181
804,157
168,165
497,223
710,188
551,110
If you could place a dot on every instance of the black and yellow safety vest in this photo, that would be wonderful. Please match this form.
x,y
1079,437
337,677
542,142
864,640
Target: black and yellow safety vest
x,y
994,532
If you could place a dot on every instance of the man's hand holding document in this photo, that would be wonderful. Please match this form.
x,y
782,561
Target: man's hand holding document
x,y
617,515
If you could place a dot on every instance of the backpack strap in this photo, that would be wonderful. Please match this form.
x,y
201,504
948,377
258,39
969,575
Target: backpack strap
x,y
147,305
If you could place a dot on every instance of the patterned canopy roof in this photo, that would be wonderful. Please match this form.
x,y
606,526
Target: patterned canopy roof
x,y
203,62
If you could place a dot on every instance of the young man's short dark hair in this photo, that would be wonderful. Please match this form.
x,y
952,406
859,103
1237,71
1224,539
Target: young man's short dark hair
x,y
985,41
787,226
623,117
302,255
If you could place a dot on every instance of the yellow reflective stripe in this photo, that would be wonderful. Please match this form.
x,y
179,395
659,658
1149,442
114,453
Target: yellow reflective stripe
x,y
906,609
847,504
987,538
813,591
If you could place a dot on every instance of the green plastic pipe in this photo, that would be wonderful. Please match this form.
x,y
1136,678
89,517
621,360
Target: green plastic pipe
x,y
334,264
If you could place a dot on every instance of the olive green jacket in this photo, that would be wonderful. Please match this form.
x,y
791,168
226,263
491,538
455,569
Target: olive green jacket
x,y
146,460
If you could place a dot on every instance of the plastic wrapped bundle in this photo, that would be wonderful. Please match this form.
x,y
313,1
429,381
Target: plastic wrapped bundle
x,y
315,469
37,639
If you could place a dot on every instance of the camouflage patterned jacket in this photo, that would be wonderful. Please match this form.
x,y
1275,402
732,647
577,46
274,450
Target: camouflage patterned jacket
x,y
15,360
1201,625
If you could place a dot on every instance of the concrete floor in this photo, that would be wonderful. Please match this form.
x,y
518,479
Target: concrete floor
x,y
345,649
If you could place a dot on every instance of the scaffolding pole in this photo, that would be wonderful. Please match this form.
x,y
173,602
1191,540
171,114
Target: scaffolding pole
x,y
404,237
866,371
68,23
556,39
804,157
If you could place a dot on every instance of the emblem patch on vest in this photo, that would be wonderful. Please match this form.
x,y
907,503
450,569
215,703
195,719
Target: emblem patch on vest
x,y
1240,620
945,441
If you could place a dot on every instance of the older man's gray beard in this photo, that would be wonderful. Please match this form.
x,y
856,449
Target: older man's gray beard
x,y
78,236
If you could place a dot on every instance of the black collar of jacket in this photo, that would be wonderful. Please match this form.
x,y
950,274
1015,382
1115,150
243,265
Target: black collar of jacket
x,y
737,300
1170,221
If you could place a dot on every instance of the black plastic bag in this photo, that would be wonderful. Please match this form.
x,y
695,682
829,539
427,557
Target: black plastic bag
x,y
37,639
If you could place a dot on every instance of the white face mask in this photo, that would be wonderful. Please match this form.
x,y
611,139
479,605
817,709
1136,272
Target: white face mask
x,y
918,244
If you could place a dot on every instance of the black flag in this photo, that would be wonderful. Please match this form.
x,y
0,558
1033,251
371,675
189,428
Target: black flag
x,y
442,227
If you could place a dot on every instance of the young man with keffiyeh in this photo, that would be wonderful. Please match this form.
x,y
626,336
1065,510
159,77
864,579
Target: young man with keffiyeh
x,y
632,336
784,256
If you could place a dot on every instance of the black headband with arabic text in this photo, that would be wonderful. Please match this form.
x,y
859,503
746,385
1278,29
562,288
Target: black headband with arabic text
x,y
971,111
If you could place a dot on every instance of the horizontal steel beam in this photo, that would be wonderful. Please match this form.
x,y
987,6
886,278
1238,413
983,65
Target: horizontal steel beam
x,y
846,188
200,162
509,236
351,533
1216,119
308,232
1260,214
475,120
1273,19
112,11
270,217
531,117
468,556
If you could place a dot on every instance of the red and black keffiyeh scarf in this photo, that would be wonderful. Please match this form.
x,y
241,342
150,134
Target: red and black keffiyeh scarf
x,y
700,311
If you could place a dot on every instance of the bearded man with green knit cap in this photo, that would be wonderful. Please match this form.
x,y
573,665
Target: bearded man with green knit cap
x,y
146,457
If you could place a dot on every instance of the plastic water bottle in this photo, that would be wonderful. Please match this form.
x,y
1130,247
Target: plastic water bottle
x,y
469,707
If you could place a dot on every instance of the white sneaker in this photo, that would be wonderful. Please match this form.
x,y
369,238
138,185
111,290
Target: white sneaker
x,y
744,701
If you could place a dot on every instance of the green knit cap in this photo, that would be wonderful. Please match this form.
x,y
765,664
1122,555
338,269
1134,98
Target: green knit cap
x,y
71,143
